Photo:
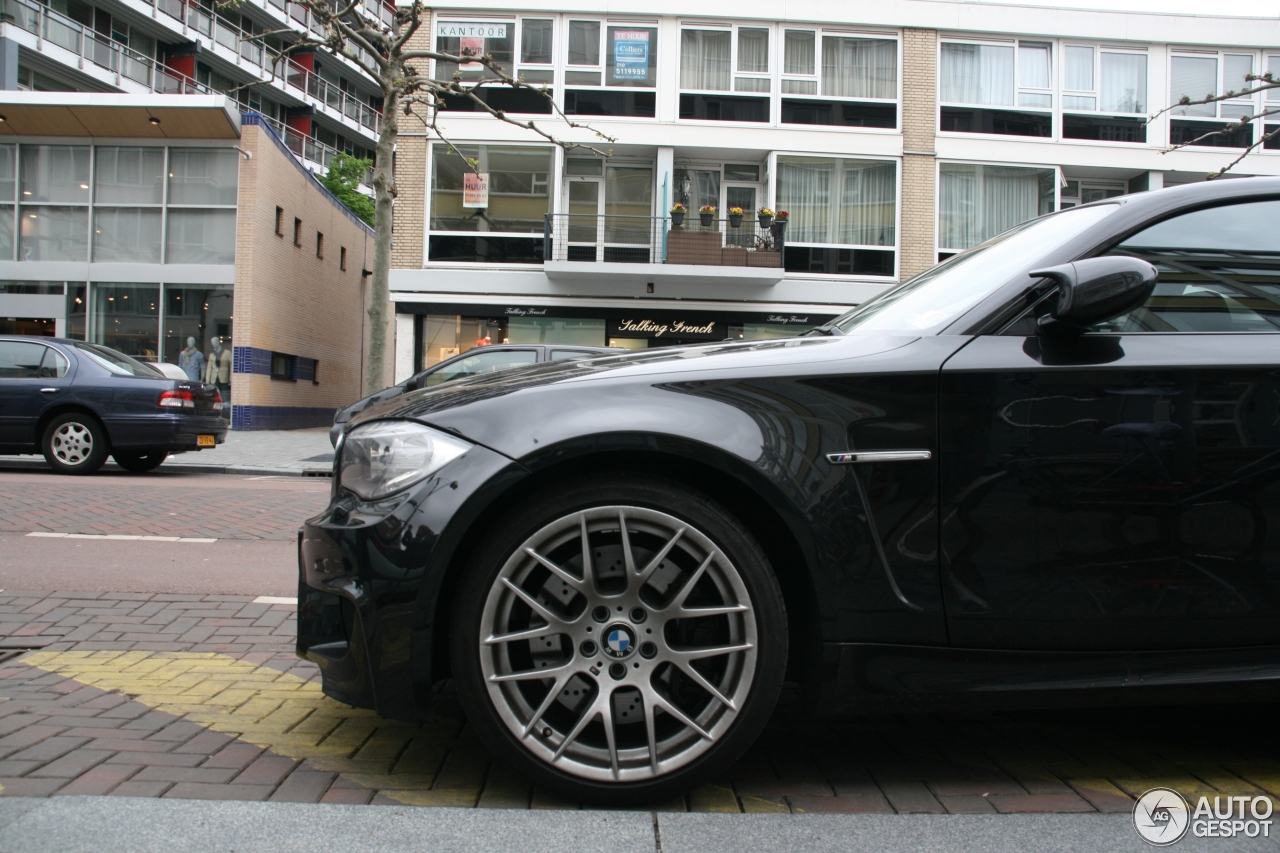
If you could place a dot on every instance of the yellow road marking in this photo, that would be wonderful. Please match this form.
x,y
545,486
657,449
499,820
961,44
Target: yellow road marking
x,y
288,716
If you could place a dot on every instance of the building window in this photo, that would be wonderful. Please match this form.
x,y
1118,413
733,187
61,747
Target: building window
x,y
319,245
194,316
996,88
501,225
844,215
133,177
1104,94
282,366
203,184
978,202
612,70
342,258
499,39
297,232
734,59
850,81
279,221
54,203
126,317
1198,75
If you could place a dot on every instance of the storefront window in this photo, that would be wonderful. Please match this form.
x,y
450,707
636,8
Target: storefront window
x,y
77,308
195,314
978,202
843,214
551,330
444,336
483,196
8,189
126,317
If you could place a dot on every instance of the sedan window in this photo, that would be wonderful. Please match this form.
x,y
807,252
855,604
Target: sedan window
x,y
566,354
117,362
54,365
482,362
21,359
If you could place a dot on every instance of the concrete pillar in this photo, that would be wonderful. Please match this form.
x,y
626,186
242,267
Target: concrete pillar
x,y
8,64
917,251
1146,181
404,347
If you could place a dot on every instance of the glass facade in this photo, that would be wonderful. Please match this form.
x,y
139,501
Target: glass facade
x,y
117,204
502,224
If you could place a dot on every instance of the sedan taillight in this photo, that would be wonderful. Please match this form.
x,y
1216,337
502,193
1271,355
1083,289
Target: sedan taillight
x,y
177,399
217,401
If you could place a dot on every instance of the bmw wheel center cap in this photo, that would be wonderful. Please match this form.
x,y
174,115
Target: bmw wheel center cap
x,y
619,641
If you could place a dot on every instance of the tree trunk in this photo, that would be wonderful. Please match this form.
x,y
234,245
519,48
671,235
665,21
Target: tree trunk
x,y
384,190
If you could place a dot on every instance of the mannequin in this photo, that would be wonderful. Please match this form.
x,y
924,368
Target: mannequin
x,y
218,372
191,360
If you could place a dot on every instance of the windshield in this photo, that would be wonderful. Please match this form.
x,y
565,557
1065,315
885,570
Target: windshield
x,y
117,362
936,297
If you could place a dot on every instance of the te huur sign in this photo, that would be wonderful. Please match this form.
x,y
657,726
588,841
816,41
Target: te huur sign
x,y
667,328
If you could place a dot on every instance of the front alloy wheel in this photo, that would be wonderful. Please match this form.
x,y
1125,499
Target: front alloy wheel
x,y
620,647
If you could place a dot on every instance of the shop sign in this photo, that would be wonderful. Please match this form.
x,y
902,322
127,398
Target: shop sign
x,y
631,54
475,189
670,328
788,320
526,312
463,30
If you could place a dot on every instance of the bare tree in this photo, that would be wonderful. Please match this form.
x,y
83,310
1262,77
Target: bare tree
x,y
1254,83
387,52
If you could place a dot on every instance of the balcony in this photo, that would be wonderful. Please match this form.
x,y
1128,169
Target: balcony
x,y
583,247
313,153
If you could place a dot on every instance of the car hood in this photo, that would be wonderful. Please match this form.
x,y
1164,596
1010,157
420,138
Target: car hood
x,y
482,408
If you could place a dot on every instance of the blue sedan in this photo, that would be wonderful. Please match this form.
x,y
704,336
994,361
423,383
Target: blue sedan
x,y
78,403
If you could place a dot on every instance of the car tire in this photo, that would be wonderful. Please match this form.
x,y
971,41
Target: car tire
x,y
75,443
630,640
140,463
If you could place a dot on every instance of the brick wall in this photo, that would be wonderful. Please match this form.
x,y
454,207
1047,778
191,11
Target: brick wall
x,y
919,172
411,179
290,301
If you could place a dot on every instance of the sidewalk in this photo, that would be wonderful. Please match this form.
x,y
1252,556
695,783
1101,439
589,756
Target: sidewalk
x,y
299,452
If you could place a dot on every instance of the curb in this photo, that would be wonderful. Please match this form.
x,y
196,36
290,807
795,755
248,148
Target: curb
x,y
38,464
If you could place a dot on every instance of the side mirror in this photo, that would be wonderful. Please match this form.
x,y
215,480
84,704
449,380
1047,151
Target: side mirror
x,y
1095,289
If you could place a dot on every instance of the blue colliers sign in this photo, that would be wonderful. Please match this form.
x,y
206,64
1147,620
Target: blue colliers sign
x,y
631,54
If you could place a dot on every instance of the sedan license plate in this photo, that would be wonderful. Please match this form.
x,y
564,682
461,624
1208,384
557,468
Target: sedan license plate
x,y
206,441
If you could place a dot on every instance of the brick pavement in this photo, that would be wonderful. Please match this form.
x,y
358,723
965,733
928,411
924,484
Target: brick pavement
x,y
158,505
201,697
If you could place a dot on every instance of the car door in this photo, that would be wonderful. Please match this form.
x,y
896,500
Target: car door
x,y
1121,489
32,377
481,360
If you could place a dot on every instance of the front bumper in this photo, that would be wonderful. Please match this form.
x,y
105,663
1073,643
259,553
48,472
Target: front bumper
x,y
166,431
369,579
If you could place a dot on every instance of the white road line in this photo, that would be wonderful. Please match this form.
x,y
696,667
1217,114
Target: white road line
x,y
274,599
119,536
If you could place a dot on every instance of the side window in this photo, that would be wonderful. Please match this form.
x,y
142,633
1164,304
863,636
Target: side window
x,y
482,362
54,365
21,360
566,354
1219,272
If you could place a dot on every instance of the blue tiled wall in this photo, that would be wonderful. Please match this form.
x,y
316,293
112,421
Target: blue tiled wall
x,y
280,417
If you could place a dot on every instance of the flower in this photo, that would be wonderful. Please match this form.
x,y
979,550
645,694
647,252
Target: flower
x,y
707,208
735,211
764,211
678,208
782,214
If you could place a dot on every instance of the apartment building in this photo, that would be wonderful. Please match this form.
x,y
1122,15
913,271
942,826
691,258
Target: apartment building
x,y
320,103
894,134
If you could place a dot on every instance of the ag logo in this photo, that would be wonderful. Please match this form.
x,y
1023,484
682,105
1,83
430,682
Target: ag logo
x,y
1161,816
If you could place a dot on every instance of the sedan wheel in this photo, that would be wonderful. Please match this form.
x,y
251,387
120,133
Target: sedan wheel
x,y
622,647
75,444
140,463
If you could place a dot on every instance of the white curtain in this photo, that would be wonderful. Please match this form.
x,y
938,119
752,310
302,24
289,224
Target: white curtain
x,y
753,49
859,68
804,191
1033,65
976,74
798,52
1124,82
704,59
976,203
1078,76
584,42
868,205
1195,77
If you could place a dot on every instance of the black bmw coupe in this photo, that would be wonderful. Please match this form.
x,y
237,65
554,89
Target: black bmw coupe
x,y
1051,462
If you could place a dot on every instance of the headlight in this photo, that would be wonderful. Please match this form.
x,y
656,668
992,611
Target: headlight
x,y
386,456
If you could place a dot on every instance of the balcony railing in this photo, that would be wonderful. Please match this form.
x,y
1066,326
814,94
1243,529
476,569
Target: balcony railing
x,y
605,238
306,148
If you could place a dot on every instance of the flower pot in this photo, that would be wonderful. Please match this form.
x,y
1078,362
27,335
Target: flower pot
x,y
735,220
765,221
705,219
677,217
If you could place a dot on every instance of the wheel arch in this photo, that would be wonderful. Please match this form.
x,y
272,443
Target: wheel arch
x,y
701,468
59,409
